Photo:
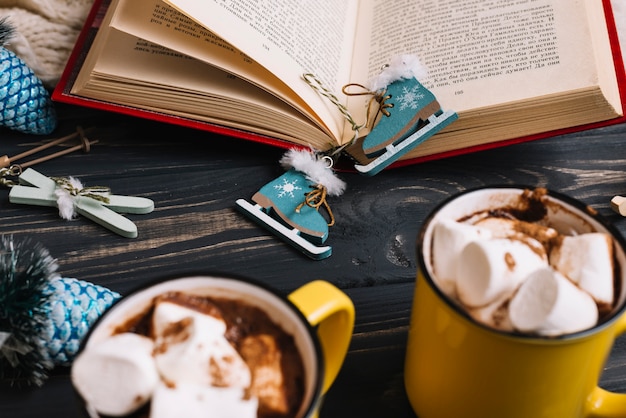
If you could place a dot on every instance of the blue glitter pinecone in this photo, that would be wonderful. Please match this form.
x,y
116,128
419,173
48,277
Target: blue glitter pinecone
x,y
44,317
73,307
25,104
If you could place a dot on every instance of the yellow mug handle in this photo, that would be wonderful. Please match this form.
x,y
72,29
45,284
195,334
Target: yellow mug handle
x,y
332,311
605,404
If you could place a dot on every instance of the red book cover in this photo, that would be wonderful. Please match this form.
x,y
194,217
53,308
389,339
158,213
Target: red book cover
x,y
62,93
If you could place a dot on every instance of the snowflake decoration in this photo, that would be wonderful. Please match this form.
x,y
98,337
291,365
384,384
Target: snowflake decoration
x,y
410,98
287,188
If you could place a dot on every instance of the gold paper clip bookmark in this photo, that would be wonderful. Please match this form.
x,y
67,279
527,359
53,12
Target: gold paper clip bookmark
x,y
85,145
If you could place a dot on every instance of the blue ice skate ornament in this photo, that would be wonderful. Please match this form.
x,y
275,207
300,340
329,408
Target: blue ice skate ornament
x,y
408,114
43,317
289,205
25,104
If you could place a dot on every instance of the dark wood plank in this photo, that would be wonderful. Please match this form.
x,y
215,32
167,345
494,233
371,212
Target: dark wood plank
x,y
194,179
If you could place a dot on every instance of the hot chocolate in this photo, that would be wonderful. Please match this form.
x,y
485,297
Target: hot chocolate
x,y
187,354
513,268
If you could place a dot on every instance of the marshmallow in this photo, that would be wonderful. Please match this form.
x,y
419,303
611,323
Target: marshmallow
x,y
118,375
168,313
449,239
261,352
494,315
191,348
532,234
548,304
491,269
196,401
618,204
587,260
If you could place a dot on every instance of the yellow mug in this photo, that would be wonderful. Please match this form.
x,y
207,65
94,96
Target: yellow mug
x,y
457,367
318,315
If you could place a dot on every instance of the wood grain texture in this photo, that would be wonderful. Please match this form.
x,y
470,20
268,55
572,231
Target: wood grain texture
x,y
194,180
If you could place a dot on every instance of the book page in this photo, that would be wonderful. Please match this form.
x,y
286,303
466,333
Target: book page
x,y
482,53
193,89
158,79
159,23
604,54
277,42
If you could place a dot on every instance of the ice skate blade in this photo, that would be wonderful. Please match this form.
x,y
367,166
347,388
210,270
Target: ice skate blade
x,y
393,152
291,236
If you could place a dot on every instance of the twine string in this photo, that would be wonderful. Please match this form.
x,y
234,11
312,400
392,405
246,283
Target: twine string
x,y
317,85
315,199
379,96
99,193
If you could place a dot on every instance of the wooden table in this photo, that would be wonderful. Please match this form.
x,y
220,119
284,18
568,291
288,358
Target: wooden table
x,y
195,179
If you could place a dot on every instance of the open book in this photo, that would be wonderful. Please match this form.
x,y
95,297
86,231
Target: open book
x,y
511,70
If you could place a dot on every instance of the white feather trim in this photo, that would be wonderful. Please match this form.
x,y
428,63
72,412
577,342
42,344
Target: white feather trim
x,y
316,170
400,66
65,201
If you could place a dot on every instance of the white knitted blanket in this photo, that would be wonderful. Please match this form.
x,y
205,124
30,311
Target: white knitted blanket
x,y
47,30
